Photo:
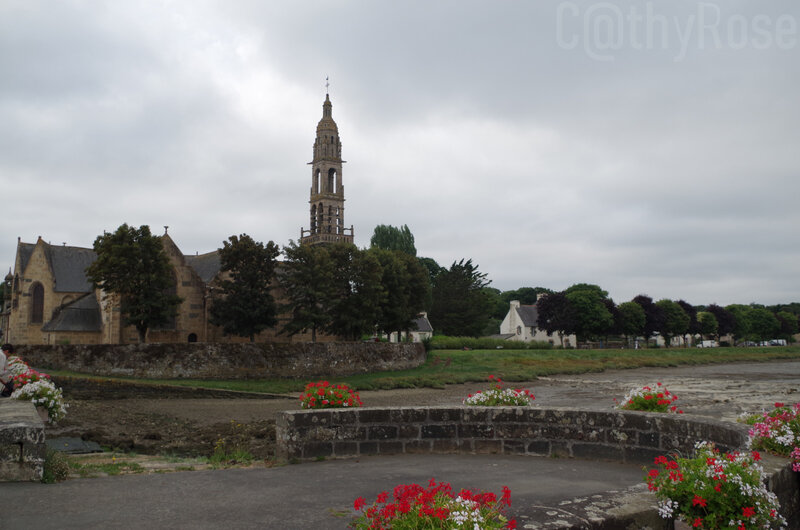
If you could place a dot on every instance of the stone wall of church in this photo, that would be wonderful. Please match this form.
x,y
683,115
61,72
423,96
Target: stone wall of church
x,y
226,361
21,329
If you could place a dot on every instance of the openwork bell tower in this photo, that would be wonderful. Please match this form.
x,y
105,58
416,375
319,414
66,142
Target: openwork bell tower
x,y
327,192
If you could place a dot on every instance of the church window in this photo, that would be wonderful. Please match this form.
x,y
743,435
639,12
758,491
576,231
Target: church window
x,y
192,337
37,306
332,180
316,182
313,218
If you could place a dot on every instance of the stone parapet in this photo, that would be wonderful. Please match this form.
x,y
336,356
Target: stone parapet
x,y
22,447
623,436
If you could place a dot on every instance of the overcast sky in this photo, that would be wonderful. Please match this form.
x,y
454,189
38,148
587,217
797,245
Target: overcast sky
x,y
647,147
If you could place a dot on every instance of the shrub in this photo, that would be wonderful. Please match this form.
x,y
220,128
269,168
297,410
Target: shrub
x,y
776,431
56,467
443,342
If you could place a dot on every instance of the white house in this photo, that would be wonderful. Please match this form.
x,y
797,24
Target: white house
x,y
520,324
422,330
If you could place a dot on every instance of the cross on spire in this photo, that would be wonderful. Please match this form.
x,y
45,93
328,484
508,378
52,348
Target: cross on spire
x,y
327,84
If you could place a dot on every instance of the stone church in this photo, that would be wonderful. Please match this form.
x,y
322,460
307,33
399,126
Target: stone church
x,y
49,299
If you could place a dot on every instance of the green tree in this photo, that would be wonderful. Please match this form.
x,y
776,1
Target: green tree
x,y
676,321
307,280
247,306
654,317
405,283
694,325
789,324
725,320
764,325
741,319
708,324
390,237
357,291
632,320
132,264
460,306
555,314
593,318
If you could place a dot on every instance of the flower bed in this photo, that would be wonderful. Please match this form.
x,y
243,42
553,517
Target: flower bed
x,y
37,388
497,396
323,395
436,506
777,431
714,490
650,398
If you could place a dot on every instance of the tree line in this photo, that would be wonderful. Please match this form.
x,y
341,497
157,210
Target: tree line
x,y
341,290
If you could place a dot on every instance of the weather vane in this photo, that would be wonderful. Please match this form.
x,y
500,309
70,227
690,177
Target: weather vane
x,y
327,84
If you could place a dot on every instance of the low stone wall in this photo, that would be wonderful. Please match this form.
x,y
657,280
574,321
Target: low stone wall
x,y
609,435
625,436
226,361
22,447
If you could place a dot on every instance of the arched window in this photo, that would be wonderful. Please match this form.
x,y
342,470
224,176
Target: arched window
x,y
313,218
316,182
192,337
320,217
37,304
332,180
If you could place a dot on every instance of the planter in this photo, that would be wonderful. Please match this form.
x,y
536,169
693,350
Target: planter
x,y
43,414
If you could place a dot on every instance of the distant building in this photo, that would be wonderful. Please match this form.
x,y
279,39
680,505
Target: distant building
x,y
520,324
420,331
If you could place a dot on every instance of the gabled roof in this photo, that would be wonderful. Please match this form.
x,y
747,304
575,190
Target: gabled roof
x,y
81,315
528,314
69,268
206,266
68,265
423,324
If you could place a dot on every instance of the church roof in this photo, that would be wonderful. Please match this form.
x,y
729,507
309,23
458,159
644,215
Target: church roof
x,y
81,315
529,314
69,268
206,266
25,251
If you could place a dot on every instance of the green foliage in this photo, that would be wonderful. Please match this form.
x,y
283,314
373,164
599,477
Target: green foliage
x,y
676,321
230,449
764,325
632,319
444,342
708,323
654,316
388,237
246,306
789,324
307,280
357,291
556,315
460,305
650,398
131,263
405,283
593,319
776,431
56,467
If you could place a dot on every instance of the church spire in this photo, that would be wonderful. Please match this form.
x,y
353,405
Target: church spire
x,y
327,191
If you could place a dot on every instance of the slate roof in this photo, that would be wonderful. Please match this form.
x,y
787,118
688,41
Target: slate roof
x,y
25,252
423,324
206,266
81,315
69,268
529,314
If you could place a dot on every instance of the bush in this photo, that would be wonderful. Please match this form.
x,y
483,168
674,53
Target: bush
x,y
443,342
323,395
56,467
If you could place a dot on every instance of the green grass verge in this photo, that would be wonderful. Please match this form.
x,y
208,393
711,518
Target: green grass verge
x,y
445,367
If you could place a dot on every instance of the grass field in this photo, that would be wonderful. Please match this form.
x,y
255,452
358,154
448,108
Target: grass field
x,y
457,366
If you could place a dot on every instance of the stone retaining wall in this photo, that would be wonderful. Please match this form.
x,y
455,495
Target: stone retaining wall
x,y
22,447
226,361
609,435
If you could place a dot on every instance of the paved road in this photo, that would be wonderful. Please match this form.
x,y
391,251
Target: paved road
x,y
315,495
320,495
